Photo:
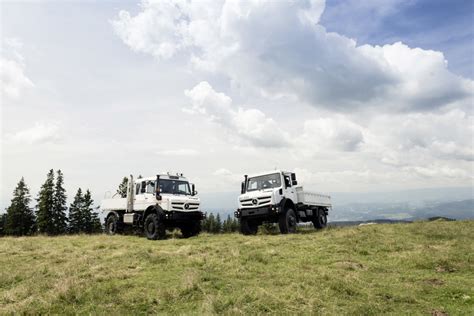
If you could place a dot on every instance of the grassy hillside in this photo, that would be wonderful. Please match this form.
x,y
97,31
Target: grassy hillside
x,y
419,268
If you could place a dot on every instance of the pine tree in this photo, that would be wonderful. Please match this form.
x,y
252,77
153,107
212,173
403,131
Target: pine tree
x,y
122,190
20,218
96,225
59,207
235,225
75,213
86,213
227,226
218,226
3,221
211,223
45,205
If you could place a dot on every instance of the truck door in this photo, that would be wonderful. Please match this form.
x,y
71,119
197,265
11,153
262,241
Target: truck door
x,y
144,195
288,189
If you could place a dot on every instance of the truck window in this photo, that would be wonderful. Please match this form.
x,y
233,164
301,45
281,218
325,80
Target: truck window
x,y
174,186
150,187
287,182
264,182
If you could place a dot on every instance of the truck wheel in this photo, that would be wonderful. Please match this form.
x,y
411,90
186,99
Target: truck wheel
x,y
287,222
190,230
321,221
154,228
112,224
248,227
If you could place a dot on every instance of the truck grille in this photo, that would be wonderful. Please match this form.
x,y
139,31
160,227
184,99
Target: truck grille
x,y
181,206
261,201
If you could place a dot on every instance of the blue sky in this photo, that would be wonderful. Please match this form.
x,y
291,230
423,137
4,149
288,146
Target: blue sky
x,y
353,95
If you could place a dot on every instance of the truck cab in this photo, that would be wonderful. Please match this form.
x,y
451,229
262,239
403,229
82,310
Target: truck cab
x,y
155,204
275,197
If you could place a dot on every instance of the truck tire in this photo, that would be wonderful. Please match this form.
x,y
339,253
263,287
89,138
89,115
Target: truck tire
x,y
112,224
154,227
321,220
287,222
248,227
190,230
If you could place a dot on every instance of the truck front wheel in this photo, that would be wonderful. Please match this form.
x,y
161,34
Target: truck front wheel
x,y
287,222
321,220
154,228
248,227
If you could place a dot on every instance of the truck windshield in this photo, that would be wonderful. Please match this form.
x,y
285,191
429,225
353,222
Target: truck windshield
x,y
174,187
264,182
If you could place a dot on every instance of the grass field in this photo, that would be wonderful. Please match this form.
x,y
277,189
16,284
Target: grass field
x,y
420,268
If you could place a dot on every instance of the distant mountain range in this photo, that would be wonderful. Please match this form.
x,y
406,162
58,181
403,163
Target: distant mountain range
x,y
456,203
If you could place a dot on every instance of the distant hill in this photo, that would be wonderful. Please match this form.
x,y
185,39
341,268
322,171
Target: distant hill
x,y
455,203
456,209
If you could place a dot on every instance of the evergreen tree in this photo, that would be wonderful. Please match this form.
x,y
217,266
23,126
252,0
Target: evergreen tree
x,y
235,225
59,207
218,227
96,225
211,223
45,205
122,190
86,213
227,226
20,218
3,220
75,213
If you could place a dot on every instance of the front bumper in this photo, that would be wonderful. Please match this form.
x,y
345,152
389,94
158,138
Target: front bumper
x,y
184,216
264,211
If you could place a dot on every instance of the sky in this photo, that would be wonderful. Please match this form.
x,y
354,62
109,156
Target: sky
x,y
354,96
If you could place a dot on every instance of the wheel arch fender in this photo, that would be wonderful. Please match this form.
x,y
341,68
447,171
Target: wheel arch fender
x,y
286,203
155,209
113,213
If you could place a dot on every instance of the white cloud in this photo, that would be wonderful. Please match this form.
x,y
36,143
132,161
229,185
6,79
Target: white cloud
x,y
178,152
222,172
392,111
250,125
40,133
13,78
337,133
270,47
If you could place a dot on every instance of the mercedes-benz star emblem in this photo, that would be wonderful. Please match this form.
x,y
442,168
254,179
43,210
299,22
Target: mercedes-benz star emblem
x,y
254,201
186,206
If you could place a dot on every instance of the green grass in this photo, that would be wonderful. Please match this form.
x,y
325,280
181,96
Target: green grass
x,y
419,268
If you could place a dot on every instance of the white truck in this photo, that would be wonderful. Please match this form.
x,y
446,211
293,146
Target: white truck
x,y
155,204
275,197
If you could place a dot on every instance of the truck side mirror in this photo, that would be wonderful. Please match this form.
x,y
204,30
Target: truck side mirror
x,y
193,189
293,179
157,188
242,188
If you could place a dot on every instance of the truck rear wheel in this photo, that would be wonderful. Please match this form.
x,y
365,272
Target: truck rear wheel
x,y
190,230
248,227
154,227
112,224
287,222
321,220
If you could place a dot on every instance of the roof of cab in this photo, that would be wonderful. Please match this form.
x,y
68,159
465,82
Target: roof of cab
x,y
163,176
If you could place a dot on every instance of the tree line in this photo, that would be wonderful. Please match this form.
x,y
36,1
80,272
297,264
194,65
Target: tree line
x,y
50,214
213,224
